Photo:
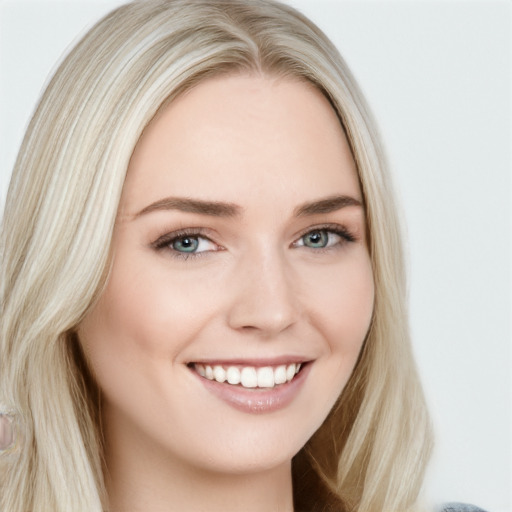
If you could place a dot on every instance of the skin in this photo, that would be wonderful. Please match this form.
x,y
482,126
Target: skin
x,y
265,147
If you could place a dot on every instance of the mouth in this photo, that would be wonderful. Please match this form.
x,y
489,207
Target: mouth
x,y
249,377
258,386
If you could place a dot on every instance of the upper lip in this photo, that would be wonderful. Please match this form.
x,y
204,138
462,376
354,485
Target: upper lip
x,y
256,362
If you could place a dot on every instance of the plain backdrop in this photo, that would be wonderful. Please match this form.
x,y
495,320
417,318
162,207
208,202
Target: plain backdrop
x,y
438,77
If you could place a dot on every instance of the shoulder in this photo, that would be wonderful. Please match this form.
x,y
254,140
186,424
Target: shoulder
x,y
459,507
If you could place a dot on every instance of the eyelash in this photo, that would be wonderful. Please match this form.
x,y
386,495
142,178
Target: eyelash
x,y
345,237
165,241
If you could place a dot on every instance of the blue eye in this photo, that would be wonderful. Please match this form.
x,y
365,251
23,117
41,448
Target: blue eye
x,y
185,244
316,239
325,238
191,244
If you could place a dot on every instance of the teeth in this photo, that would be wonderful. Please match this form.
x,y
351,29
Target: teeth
x,y
290,372
233,374
219,374
266,377
249,376
280,374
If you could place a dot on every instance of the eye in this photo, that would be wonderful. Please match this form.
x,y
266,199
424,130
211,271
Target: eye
x,y
191,244
317,239
184,244
324,238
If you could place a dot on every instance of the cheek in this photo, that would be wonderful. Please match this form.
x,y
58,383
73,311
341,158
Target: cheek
x,y
341,307
141,313
134,334
345,307
120,336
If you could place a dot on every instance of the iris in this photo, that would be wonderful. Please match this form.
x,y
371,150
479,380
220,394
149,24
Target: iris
x,y
316,239
186,244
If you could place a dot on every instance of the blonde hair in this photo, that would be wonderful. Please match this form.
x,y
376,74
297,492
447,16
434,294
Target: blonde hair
x,y
371,452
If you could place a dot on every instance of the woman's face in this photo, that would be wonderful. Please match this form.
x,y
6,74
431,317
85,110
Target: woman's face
x,y
239,253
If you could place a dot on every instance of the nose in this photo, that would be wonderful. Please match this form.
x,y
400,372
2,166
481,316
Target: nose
x,y
265,300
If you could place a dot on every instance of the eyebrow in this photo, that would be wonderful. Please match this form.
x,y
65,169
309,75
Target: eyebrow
x,y
213,208
327,205
222,209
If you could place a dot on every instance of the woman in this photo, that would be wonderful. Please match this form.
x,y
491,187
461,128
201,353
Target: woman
x,y
202,277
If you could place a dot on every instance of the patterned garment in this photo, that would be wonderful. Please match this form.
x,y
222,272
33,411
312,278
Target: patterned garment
x,y
460,507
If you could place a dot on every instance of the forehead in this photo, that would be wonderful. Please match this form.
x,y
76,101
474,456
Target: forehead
x,y
242,135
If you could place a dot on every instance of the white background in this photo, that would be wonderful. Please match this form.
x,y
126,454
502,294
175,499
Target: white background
x,y
437,75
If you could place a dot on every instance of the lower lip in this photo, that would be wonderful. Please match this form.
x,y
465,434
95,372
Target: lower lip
x,y
257,400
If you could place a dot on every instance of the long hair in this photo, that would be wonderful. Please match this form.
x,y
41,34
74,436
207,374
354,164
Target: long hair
x,y
370,454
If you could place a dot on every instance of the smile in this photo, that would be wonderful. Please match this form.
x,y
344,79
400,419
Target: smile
x,y
249,377
260,388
